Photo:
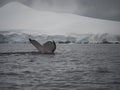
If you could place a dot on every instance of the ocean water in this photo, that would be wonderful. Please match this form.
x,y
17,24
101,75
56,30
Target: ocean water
x,y
72,67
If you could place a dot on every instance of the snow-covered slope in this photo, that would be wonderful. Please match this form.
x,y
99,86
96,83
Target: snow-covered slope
x,y
18,16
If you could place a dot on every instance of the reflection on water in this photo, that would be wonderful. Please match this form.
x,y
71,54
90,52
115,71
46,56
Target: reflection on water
x,y
72,67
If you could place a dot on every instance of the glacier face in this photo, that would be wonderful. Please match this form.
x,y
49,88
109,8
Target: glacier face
x,y
18,37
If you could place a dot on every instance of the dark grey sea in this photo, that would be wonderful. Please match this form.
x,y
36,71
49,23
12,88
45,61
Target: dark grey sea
x,y
72,67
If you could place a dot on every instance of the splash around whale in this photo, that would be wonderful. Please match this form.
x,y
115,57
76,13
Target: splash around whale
x,y
47,48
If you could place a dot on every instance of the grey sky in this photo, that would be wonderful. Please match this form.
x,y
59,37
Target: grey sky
x,y
103,9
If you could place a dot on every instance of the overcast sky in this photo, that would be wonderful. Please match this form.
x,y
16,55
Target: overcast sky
x,y
103,9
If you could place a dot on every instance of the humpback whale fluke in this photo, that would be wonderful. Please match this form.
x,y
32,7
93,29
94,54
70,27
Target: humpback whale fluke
x,y
48,47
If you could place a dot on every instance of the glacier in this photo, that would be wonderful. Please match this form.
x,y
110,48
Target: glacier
x,y
17,16
18,23
19,37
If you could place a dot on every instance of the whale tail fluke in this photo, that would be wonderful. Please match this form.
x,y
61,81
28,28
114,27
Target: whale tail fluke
x,y
48,47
